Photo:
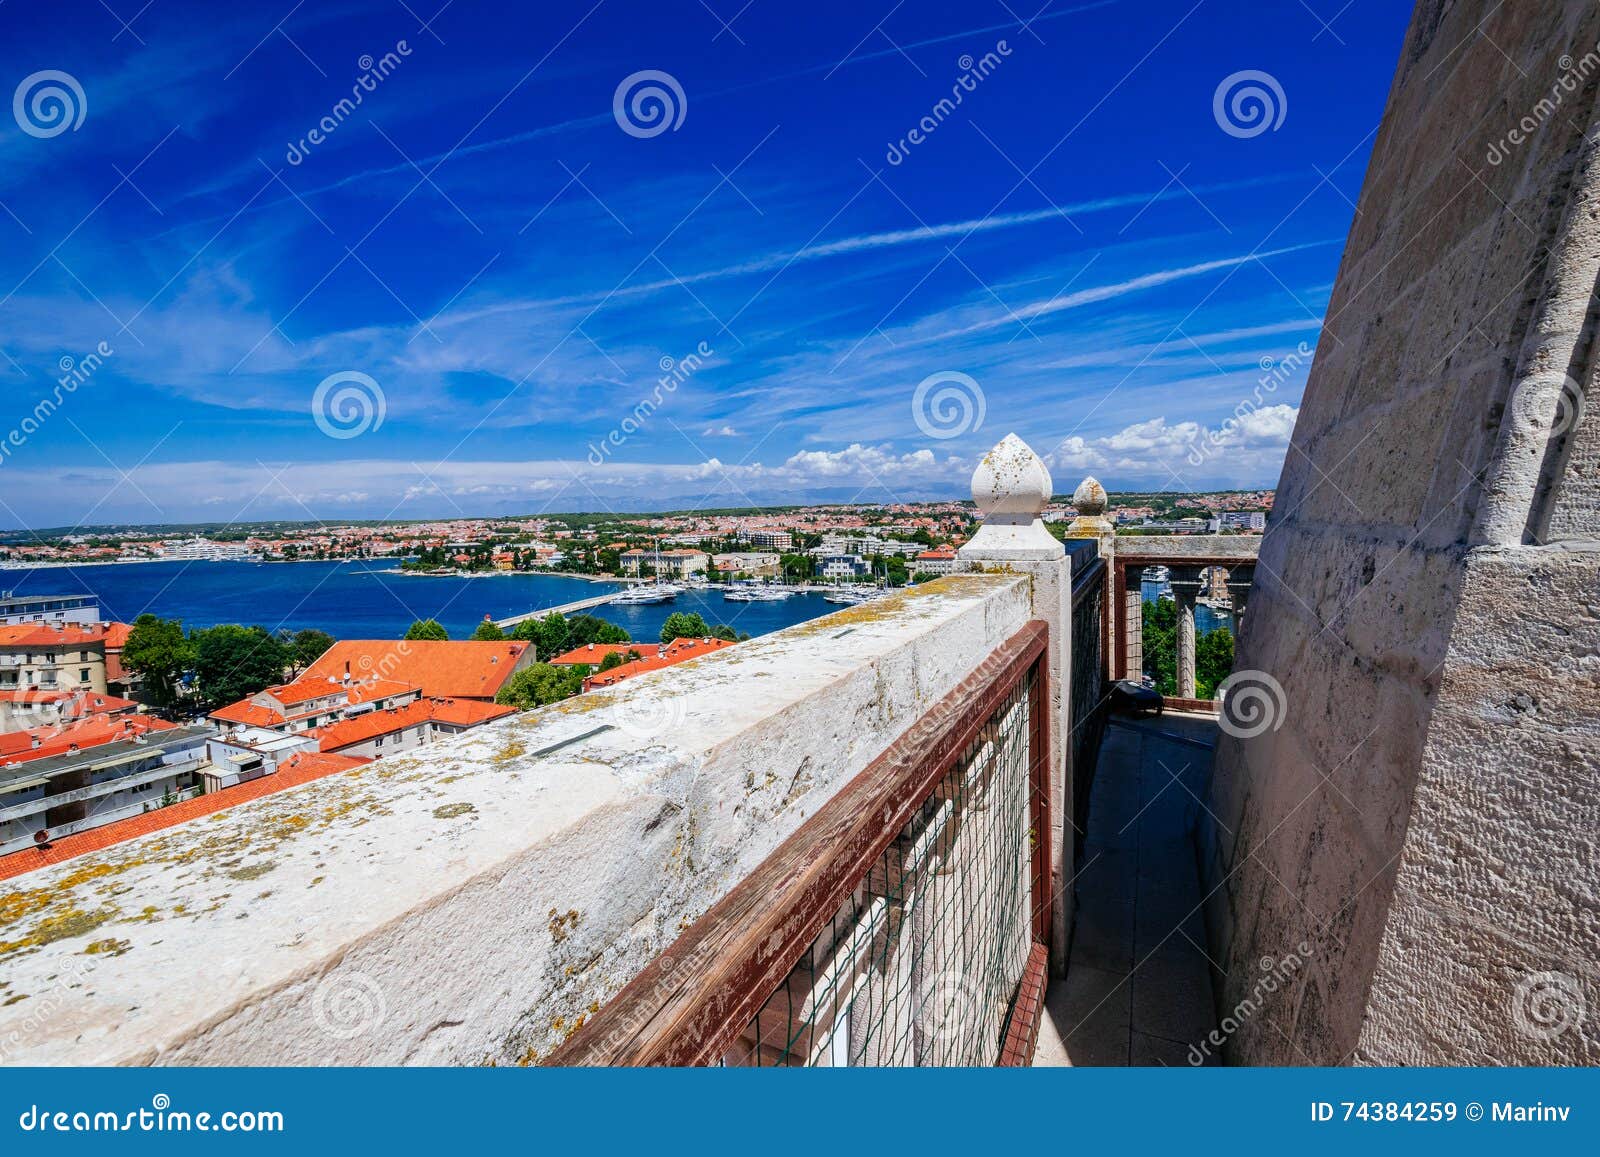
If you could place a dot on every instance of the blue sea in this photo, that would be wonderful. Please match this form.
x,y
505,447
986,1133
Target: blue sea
x,y
357,600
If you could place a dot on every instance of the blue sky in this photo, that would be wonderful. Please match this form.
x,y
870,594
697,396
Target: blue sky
x,y
1111,268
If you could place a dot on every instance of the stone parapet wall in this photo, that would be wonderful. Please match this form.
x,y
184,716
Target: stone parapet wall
x,y
472,902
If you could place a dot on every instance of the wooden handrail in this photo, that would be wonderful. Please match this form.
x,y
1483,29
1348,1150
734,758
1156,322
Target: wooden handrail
x,y
689,1005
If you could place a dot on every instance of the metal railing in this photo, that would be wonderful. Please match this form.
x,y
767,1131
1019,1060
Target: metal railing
x,y
1090,680
904,923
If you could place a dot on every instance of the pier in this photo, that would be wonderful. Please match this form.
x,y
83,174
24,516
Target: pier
x,y
563,609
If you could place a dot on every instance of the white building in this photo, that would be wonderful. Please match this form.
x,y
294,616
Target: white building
x,y
843,566
15,608
1250,520
79,790
247,753
667,563
761,564
768,539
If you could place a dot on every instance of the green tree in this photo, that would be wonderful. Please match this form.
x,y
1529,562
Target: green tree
x,y
798,567
487,632
548,635
540,684
585,629
616,659
692,625
308,646
1213,652
157,650
1160,644
684,625
232,662
1213,661
427,630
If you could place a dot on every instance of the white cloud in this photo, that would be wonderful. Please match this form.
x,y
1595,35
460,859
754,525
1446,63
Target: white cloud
x,y
1244,450
373,488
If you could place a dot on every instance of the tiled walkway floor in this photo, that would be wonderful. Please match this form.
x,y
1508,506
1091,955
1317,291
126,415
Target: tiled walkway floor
x,y
1138,983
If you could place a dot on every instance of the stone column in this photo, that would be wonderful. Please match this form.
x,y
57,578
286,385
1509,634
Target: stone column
x,y
1186,583
1132,620
1239,580
1011,488
1090,501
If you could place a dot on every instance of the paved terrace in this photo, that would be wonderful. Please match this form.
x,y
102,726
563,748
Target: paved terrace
x,y
1138,984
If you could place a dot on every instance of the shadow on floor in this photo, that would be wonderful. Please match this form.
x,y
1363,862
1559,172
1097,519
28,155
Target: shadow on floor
x,y
1138,984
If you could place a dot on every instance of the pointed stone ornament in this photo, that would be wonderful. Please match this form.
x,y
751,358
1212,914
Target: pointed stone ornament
x,y
1090,501
1089,498
1011,488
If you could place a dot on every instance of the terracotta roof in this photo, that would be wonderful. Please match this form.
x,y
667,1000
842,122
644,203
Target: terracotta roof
x,y
467,712
467,669
86,703
17,746
594,652
117,635
292,772
50,635
363,728
678,651
380,689
252,714
304,691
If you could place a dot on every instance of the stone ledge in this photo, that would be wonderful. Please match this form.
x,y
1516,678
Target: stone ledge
x,y
1179,548
472,902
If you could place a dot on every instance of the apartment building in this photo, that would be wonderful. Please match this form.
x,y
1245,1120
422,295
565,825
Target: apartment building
x,y
93,774
15,608
53,656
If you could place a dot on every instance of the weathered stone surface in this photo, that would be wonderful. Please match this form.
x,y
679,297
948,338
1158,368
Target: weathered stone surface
x,y
1424,813
473,902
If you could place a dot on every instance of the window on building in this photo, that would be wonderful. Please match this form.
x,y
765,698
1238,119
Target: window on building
x,y
83,674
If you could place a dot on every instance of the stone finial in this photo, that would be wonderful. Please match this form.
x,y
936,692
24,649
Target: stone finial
x,y
1011,479
1089,499
1011,488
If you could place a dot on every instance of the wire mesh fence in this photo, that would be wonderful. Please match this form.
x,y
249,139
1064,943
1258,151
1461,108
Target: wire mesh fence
x,y
922,963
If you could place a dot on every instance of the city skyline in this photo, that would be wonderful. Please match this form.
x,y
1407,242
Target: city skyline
x,y
768,282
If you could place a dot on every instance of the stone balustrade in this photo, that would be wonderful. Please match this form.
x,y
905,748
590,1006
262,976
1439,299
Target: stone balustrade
x,y
1187,558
